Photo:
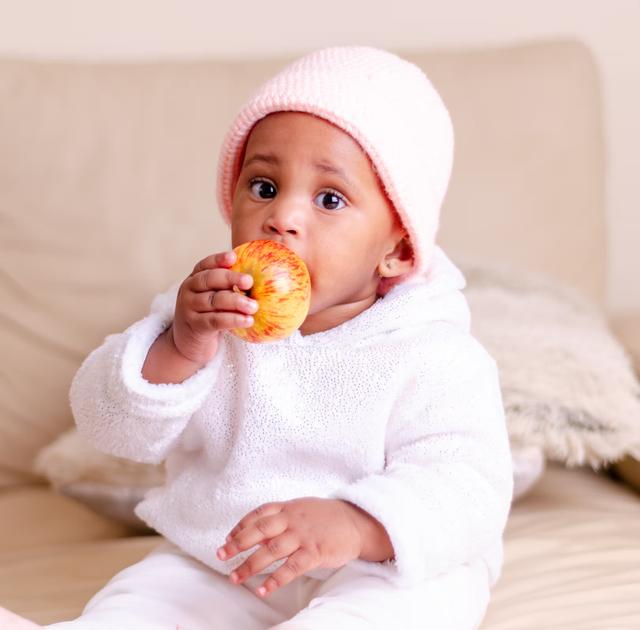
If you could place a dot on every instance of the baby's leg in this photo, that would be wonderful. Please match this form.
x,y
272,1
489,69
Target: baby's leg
x,y
354,599
11,621
170,590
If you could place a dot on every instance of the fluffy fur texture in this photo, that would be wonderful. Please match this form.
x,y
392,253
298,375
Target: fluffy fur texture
x,y
568,385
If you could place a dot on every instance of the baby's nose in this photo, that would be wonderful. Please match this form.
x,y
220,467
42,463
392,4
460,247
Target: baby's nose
x,y
283,220
274,229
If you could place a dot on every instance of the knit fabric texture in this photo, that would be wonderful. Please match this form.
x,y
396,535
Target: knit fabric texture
x,y
397,410
389,106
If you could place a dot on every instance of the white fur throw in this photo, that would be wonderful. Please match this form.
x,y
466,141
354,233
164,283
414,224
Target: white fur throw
x,y
568,385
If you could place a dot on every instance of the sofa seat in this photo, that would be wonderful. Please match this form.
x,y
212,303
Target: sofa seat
x,y
35,516
572,555
52,583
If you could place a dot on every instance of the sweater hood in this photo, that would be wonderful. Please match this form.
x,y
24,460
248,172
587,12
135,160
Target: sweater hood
x,y
409,307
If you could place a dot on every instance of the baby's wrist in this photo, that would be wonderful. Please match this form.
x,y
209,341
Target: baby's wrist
x,y
375,545
165,363
182,357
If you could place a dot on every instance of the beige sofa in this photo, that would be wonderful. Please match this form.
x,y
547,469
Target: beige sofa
x,y
107,177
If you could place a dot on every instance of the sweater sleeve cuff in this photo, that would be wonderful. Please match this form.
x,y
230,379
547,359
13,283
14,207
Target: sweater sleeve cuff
x,y
404,568
161,399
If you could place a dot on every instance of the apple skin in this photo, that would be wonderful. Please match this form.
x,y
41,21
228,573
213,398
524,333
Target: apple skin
x,y
281,286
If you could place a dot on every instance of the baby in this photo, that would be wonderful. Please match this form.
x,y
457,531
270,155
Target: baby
x,y
356,474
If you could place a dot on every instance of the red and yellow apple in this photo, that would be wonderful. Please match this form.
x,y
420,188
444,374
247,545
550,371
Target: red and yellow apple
x,y
281,286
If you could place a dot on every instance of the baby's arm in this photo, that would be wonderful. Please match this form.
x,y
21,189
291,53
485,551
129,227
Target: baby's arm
x,y
165,364
133,396
122,413
445,493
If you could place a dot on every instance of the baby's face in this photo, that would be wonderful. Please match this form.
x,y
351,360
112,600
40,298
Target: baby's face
x,y
309,185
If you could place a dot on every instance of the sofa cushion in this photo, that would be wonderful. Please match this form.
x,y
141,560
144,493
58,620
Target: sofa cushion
x,y
35,516
54,583
627,329
572,556
107,195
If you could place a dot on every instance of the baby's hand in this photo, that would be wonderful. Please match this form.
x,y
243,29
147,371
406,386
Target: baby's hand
x,y
311,531
207,304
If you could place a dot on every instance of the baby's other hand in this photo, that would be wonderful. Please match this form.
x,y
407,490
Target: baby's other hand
x,y
311,531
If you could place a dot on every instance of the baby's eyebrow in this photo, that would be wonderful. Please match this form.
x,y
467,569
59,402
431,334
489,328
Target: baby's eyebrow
x,y
262,157
323,166
330,168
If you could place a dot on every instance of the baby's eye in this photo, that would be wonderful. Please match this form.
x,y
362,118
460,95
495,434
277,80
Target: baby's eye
x,y
266,190
332,198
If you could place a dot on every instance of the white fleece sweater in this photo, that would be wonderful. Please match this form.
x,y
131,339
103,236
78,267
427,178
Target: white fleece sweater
x,y
397,410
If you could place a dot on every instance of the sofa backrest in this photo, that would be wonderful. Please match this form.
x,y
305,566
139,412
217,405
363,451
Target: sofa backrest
x,y
107,194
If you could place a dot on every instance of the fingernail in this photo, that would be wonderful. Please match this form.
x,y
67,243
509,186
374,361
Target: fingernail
x,y
234,576
262,590
222,554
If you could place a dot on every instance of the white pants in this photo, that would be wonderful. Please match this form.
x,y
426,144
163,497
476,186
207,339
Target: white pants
x,y
170,590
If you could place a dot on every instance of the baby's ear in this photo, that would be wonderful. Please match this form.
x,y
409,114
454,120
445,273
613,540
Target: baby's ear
x,y
398,261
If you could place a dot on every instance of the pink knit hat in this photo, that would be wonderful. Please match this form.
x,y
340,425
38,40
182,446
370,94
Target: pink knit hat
x,y
389,106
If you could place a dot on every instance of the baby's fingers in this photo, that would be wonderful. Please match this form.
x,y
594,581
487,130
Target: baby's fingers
x,y
297,564
221,259
218,279
222,301
270,551
220,320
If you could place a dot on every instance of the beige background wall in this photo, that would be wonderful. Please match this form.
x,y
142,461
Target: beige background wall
x,y
151,29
